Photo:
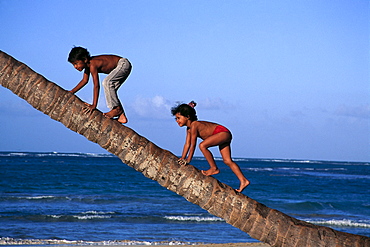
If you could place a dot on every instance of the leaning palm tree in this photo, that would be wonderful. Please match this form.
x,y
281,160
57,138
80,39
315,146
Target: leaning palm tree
x,y
260,222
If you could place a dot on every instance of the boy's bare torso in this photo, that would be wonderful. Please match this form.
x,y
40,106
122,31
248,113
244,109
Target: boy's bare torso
x,y
104,63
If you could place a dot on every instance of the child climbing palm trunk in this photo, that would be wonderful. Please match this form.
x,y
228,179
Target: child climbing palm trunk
x,y
212,135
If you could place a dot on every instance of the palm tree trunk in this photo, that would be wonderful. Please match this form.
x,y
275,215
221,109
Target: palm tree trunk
x,y
260,222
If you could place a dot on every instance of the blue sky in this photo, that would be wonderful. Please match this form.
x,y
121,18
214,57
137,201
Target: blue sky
x,y
289,78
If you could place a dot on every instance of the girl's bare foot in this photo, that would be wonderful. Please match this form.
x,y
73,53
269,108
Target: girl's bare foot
x,y
122,119
211,171
243,185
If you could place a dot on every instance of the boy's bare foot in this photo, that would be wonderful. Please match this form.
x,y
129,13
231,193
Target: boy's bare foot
x,y
122,119
115,112
243,185
118,114
211,171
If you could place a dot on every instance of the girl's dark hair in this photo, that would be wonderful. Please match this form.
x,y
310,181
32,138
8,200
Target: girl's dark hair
x,y
186,110
78,53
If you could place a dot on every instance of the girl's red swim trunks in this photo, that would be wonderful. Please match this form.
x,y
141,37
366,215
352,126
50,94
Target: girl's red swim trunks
x,y
220,128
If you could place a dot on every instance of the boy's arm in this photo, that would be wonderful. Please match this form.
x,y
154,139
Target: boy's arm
x,y
95,77
83,82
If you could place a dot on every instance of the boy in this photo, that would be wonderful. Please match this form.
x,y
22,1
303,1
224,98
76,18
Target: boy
x,y
117,68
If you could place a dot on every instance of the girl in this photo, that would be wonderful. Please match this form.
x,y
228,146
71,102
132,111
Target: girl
x,y
212,135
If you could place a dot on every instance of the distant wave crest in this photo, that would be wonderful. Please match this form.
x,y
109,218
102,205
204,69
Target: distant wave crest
x,y
249,160
53,154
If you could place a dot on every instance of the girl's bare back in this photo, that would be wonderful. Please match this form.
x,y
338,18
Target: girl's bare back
x,y
204,128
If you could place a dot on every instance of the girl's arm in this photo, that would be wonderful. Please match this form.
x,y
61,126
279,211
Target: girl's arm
x,y
185,150
193,141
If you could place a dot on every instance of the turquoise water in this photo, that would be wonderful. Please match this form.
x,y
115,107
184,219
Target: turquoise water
x,y
95,197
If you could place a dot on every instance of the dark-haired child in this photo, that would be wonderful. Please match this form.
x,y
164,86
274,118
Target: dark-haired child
x,y
117,68
212,135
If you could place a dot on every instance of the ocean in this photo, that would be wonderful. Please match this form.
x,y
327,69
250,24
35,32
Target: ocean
x,y
96,198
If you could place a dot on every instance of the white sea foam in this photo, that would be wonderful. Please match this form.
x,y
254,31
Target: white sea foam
x,y
92,214
340,223
293,169
13,154
90,217
39,197
81,217
255,169
13,241
193,218
97,212
55,216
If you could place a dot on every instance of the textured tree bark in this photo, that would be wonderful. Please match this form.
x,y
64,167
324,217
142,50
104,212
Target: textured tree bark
x,y
260,222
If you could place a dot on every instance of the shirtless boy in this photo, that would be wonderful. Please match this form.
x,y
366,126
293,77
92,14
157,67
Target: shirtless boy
x,y
117,68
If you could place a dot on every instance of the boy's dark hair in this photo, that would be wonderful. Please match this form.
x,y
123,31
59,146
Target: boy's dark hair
x,y
78,53
186,110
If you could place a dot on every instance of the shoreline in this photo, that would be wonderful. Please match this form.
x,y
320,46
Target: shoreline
x,y
120,243
160,245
